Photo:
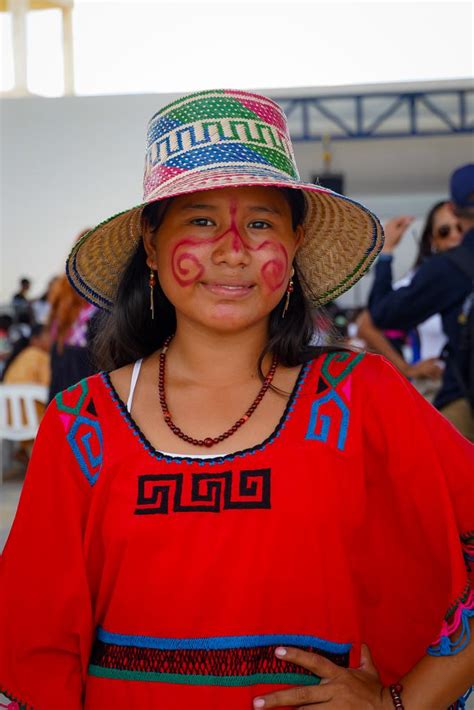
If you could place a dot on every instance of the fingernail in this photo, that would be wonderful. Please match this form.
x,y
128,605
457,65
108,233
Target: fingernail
x,y
259,703
280,651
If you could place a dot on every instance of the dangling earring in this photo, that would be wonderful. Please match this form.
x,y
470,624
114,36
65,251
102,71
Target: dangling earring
x,y
152,284
289,291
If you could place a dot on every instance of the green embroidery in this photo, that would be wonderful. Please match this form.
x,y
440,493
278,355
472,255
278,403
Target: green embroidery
x,y
334,380
73,410
283,678
460,600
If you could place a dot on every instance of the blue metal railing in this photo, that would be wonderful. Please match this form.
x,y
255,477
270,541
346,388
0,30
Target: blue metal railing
x,y
435,112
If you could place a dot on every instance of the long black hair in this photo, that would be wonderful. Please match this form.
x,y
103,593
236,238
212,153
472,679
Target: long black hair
x,y
128,332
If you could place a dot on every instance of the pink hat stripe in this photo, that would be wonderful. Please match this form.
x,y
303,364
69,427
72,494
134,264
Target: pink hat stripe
x,y
158,177
265,111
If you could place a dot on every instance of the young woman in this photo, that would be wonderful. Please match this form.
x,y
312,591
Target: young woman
x,y
231,518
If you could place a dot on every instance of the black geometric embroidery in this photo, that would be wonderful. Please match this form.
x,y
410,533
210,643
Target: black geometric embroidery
x,y
322,385
160,494
91,408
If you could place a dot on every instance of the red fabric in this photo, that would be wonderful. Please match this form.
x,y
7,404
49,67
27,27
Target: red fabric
x,y
360,542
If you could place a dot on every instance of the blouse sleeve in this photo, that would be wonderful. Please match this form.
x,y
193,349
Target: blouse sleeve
x,y
419,521
45,607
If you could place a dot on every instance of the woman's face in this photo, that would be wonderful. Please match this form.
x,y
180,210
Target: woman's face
x,y
446,230
224,257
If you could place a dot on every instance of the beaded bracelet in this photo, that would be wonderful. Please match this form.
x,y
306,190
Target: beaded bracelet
x,y
395,691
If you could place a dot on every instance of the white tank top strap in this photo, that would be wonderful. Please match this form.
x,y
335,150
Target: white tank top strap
x,y
135,373
133,383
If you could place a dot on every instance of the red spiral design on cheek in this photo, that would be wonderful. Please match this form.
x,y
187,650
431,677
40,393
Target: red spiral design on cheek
x,y
273,273
187,268
274,270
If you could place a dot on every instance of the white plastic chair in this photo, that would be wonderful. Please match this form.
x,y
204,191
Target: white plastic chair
x,y
19,420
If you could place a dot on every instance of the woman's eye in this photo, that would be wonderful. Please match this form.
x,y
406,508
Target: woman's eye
x,y
259,224
202,222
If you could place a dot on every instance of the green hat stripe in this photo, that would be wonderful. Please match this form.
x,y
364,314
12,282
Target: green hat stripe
x,y
276,158
183,99
207,109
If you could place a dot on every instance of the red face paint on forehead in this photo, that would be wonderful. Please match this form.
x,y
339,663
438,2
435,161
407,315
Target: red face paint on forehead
x,y
187,266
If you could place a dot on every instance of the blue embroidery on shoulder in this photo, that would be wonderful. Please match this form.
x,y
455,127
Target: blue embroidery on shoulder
x,y
78,415
330,411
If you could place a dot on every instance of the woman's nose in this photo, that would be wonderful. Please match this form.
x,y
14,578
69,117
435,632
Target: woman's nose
x,y
232,247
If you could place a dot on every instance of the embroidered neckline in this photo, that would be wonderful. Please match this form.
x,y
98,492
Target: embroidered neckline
x,y
213,460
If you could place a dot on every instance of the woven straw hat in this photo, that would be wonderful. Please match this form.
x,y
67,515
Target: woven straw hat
x,y
214,139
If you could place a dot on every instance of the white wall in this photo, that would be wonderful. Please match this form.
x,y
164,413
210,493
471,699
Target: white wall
x,y
71,162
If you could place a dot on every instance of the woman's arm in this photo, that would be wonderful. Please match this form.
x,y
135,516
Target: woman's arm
x,y
382,283
437,681
434,683
45,606
378,343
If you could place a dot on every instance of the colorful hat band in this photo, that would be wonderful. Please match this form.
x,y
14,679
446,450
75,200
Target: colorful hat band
x,y
221,130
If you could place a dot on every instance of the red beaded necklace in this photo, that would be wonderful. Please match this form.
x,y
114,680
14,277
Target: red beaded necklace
x,y
209,441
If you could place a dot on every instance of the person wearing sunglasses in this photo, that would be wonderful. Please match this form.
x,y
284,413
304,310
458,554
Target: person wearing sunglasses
x,y
441,231
448,236
438,286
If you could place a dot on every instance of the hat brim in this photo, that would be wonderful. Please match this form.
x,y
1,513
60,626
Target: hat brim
x,y
342,239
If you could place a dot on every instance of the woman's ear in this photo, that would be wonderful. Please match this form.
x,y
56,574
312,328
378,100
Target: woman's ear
x,y
299,236
149,243
151,219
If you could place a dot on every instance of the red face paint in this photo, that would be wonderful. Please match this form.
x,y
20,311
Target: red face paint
x,y
237,241
187,267
274,270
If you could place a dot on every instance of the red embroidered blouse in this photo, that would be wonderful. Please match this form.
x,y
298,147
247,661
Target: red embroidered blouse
x,y
137,580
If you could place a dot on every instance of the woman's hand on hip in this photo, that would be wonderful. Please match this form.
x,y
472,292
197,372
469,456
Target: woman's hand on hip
x,y
339,688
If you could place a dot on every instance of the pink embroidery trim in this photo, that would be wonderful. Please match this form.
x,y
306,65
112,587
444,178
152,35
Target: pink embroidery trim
x,y
449,628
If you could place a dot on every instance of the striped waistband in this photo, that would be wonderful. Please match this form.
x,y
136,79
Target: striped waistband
x,y
219,660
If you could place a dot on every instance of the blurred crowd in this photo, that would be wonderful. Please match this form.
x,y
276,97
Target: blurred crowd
x,y
422,323
45,341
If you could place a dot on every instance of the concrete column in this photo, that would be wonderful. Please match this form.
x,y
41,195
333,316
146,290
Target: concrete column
x,y
68,51
18,9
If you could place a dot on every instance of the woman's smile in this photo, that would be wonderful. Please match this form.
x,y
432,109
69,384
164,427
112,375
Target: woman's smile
x,y
228,288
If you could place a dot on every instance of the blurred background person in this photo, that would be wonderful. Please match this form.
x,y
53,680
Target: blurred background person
x,y
30,363
41,306
71,331
441,286
425,343
5,342
462,194
21,304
